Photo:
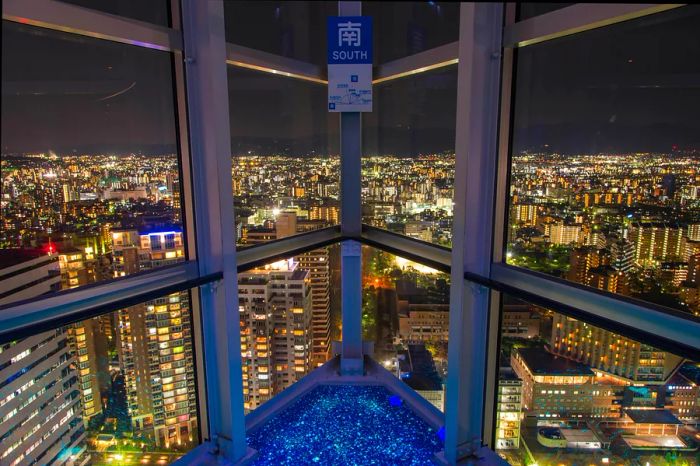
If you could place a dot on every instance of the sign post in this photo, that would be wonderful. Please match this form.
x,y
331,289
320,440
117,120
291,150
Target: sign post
x,y
349,64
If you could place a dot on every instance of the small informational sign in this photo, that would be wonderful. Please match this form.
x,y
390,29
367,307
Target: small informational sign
x,y
349,64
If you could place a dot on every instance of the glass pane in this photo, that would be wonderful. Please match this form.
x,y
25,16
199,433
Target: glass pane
x,y
89,172
531,9
406,28
604,177
285,156
119,388
408,165
290,29
573,393
405,314
290,313
152,11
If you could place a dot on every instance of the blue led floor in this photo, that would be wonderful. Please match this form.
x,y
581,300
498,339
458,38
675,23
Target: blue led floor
x,y
346,425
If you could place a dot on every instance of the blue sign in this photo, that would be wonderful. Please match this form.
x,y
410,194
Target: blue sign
x,y
349,64
349,40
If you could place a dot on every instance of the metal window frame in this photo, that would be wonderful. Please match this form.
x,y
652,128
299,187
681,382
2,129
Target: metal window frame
x,y
215,261
577,18
438,57
74,19
475,147
246,57
25,318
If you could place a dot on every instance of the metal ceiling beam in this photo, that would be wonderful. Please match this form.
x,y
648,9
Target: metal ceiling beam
x,y
65,17
245,57
438,57
574,19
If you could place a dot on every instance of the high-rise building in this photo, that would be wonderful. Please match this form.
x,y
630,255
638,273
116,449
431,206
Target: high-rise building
x,y
526,214
177,203
655,242
26,273
276,329
583,259
40,406
621,254
317,263
88,342
125,251
88,339
564,234
154,343
609,352
694,230
329,213
508,409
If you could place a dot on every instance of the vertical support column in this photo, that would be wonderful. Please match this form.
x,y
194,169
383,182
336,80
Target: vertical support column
x,y
351,361
350,155
351,226
351,174
475,147
207,91
500,208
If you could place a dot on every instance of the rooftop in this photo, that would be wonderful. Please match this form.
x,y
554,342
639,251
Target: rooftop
x,y
652,416
507,373
542,362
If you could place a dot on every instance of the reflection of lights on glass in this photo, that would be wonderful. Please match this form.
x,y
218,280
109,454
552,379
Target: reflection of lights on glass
x,y
405,263
509,255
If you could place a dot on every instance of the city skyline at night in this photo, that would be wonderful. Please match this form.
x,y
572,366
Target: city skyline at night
x,y
525,219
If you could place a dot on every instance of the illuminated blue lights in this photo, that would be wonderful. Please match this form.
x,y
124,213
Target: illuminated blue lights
x,y
346,425
441,433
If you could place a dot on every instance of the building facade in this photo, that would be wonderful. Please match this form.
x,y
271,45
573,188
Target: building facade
x,y
276,329
40,404
609,352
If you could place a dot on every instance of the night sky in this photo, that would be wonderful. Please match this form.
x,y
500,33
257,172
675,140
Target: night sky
x,y
65,92
634,86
